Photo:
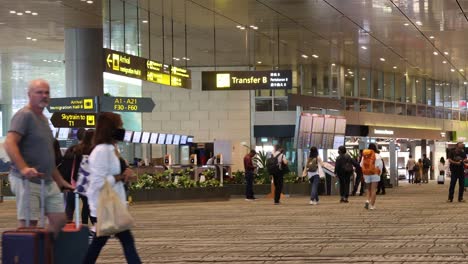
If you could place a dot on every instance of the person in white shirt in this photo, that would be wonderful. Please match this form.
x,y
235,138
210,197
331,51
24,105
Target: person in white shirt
x,y
105,164
410,167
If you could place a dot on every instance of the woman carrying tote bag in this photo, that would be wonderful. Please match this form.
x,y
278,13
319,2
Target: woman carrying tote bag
x,y
105,171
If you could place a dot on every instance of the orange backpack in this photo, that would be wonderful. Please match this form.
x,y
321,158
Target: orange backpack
x,y
368,163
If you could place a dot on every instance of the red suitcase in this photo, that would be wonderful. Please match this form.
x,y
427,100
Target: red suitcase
x,y
28,245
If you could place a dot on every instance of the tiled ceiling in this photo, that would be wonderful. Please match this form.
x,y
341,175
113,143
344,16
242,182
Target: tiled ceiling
x,y
335,30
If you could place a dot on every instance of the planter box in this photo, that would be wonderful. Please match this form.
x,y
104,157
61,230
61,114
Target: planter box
x,y
179,194
239,189
263,189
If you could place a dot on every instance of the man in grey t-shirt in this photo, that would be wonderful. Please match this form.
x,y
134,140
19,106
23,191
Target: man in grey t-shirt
x,y
29,144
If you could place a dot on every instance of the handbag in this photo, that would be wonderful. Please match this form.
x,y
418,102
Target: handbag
x,y
112,214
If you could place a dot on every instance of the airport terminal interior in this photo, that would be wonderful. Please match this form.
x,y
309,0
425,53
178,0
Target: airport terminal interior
x,y
199,83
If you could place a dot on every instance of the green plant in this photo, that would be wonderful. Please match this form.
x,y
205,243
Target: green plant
x,y
291,177
238,178
354,153
185,182
260,159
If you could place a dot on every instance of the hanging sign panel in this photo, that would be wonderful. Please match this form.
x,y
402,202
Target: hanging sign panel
x,y
73,119
126,104
73,104
144,69
246,80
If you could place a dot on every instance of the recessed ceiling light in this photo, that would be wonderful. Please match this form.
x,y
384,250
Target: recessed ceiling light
x,y
446,53
431,37
435,53
315,56
259,62
253,27
27,12
12,12
177,59
452,70
304,56
444,62
144,21
418,23
465,82
461,70
364,47
89,2
28,37
19,14
333,64
363,79
394,67
406,24
382,59
34,39
346,75
34,13
240,27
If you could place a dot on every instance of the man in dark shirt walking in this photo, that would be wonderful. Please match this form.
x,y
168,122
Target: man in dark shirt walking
x,y
249,175
456,160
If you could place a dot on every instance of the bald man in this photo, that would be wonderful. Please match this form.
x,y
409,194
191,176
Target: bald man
x,y
29,144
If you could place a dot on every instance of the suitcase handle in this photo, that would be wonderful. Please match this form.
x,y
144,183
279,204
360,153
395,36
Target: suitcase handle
x,y
27,194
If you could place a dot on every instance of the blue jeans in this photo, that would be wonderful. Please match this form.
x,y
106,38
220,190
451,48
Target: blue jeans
x,y
314,180
126,239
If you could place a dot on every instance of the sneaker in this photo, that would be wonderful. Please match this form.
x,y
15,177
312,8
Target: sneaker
x,y
312,202
277,203
461,201
345,201
91,236
250,199
366,205
449,200
371,207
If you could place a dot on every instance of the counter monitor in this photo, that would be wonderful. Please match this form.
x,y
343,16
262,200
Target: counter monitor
x,y
145,137
183,140
161,139
154,138
169,138
136,137
176,140
128,136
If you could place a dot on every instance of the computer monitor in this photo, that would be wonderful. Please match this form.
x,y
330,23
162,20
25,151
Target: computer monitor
x,y
136,137
63,133
176,140
54,131
189,139
128,136
74,133
145,137
183,140
154,138
169,138
161,139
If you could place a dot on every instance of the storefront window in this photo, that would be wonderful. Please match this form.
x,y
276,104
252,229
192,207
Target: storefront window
x,y
263,104
400,86
388,86
281,104
365,106
352,104
410,89
430,92
420,95
349,85
439,94
400,109
378,107
411,110
377,84
430,112
439,113
421,111
364,83
390,108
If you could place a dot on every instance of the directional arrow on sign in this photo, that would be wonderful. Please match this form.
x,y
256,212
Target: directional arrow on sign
x,y
126,104
109,60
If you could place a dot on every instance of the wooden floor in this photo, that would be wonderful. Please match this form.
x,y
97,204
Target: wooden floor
x,y
412,224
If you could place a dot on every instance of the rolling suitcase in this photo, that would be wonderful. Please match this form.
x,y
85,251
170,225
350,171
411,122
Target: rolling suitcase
x,y
28,245
71,245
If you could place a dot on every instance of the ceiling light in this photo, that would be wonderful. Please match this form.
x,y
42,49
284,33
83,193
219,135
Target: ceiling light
x,y
144,21
406,24
446,53
34,14
19,14
444,62
185,58
28,37
431,37
315,56
304,56
240,27
418,23
364,47
346,75
333,64
465,83
34,39
452,70
253,27
259,62
177,59
363,79
139,44
461,70
350,72
12,12
394,67
89,2
382,59
27,12
435,53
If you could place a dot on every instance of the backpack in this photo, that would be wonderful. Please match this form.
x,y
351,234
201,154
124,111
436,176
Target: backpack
x,y
348,166
368,163
426,163
273,165
83,176
312,165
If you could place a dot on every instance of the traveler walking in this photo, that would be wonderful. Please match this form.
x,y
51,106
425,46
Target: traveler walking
x,y
426,167
410,167
418,171
249,175
359,181
456,159
106,166
371,165
313,170
277,169
381,184
344,168
29,144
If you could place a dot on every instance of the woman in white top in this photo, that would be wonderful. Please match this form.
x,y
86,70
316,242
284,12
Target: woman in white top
x,y
313,167
105,165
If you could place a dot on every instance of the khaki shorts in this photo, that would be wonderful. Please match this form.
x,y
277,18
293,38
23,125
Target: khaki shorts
x,y
53,198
